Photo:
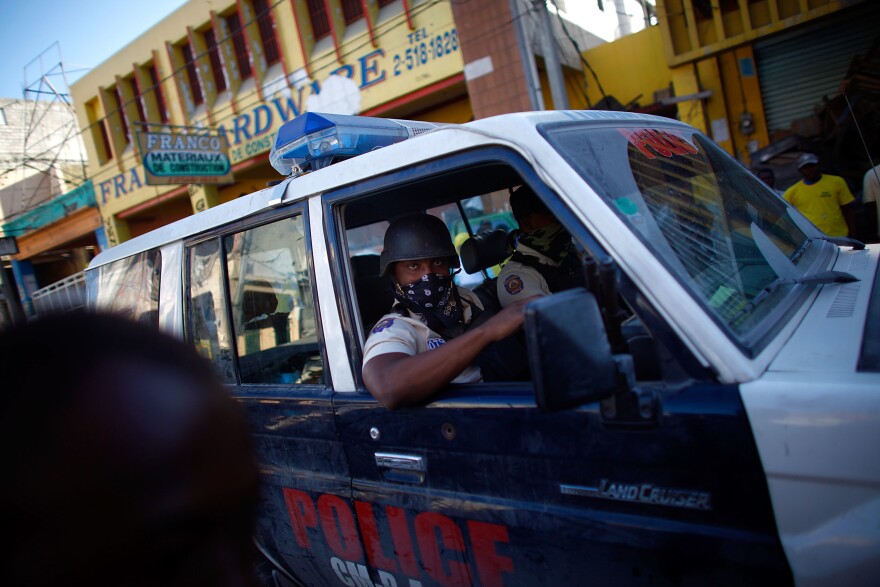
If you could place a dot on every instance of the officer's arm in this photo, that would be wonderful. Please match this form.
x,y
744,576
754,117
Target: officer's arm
x,y
398,379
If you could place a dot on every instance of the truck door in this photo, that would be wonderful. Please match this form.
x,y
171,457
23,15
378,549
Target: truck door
x,y
251,309
480,487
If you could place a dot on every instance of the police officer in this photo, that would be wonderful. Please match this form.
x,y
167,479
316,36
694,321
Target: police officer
x,y
436,330
544,258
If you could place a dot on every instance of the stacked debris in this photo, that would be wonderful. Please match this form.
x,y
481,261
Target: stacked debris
x,y
850,121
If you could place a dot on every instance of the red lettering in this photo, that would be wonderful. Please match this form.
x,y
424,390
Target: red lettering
x,y
662,142
339,528
302,514
637,142
402,541
437,534
654,143
684,147
490,564
367,522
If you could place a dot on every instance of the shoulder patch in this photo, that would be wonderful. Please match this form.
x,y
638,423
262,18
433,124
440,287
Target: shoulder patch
x,y
382,325
513,284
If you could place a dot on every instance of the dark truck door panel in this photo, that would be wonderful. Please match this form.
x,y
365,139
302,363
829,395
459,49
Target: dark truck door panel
x,y
507,495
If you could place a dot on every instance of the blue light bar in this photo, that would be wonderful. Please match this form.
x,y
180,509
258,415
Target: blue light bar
x,y
312,141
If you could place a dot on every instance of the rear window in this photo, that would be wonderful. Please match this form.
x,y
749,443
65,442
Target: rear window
x,y
130,287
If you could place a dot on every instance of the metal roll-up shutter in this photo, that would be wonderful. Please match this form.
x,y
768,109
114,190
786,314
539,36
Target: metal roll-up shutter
x,y
798,68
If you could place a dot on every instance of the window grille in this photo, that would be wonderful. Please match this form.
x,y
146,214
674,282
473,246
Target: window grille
x,y
242,57
192,75
216,63
138,99
267,31
105,139
318,16
157,89
122,119
352,10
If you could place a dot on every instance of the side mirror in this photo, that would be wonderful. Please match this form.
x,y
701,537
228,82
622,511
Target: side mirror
x,y
569,353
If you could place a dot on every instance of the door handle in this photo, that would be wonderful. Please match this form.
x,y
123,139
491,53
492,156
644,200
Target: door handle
x,y
401,462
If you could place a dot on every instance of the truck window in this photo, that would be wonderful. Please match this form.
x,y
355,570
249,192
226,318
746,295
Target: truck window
x,y
273,311
473,202
207,325
130,287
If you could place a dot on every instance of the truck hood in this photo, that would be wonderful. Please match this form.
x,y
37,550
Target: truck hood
x,y
841,330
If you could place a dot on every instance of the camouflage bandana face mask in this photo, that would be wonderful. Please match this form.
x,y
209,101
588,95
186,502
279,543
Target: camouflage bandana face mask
x,y
433,297
554,242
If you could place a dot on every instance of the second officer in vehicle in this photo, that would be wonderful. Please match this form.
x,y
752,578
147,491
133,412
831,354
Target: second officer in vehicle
x,y
544,259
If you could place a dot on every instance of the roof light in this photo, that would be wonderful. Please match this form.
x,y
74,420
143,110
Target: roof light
x,y
312,141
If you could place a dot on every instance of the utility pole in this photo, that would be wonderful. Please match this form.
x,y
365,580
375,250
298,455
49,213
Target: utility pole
x,y
551,58
533,80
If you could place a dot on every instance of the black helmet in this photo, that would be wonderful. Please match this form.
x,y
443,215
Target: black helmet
x,y
417,236
524,201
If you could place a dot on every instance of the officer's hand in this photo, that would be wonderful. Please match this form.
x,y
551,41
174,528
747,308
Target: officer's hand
x,y
508,320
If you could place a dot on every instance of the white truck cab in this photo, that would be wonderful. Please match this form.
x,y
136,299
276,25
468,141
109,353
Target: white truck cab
x,y
704,410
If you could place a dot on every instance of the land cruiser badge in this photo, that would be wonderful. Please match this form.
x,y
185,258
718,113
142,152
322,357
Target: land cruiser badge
x,y
643,493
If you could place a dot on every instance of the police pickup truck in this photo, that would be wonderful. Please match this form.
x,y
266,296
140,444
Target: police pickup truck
x,y
705,410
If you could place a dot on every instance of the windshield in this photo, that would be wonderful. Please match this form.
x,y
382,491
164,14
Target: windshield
x,y
694,206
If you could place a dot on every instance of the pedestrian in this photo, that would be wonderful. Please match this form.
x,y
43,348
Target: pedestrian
x,y
544,258
437,332
125,461
768,176
823,198
871,200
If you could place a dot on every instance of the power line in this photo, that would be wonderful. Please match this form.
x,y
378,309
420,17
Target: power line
x,y
252,97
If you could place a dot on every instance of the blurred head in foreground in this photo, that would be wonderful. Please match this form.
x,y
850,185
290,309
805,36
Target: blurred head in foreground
x,y
125,461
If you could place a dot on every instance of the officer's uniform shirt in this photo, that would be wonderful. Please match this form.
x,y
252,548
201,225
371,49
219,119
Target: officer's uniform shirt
x,y
409,335
517,280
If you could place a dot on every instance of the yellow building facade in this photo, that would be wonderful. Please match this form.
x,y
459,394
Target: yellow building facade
x,y
703,61
240,69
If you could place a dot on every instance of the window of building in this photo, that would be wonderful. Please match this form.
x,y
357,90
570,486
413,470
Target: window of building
x,y
352,10
267,31
216,62
138,99
192,75
98,130
3,117
318,16
157,94
242,57
123,120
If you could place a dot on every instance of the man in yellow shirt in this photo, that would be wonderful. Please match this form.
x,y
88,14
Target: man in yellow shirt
x,y
824,199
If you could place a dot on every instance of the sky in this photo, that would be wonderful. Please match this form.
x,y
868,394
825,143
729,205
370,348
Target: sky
x,y
78,33
37,35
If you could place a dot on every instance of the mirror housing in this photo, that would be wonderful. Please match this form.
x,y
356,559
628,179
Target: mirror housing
x,y
569,353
